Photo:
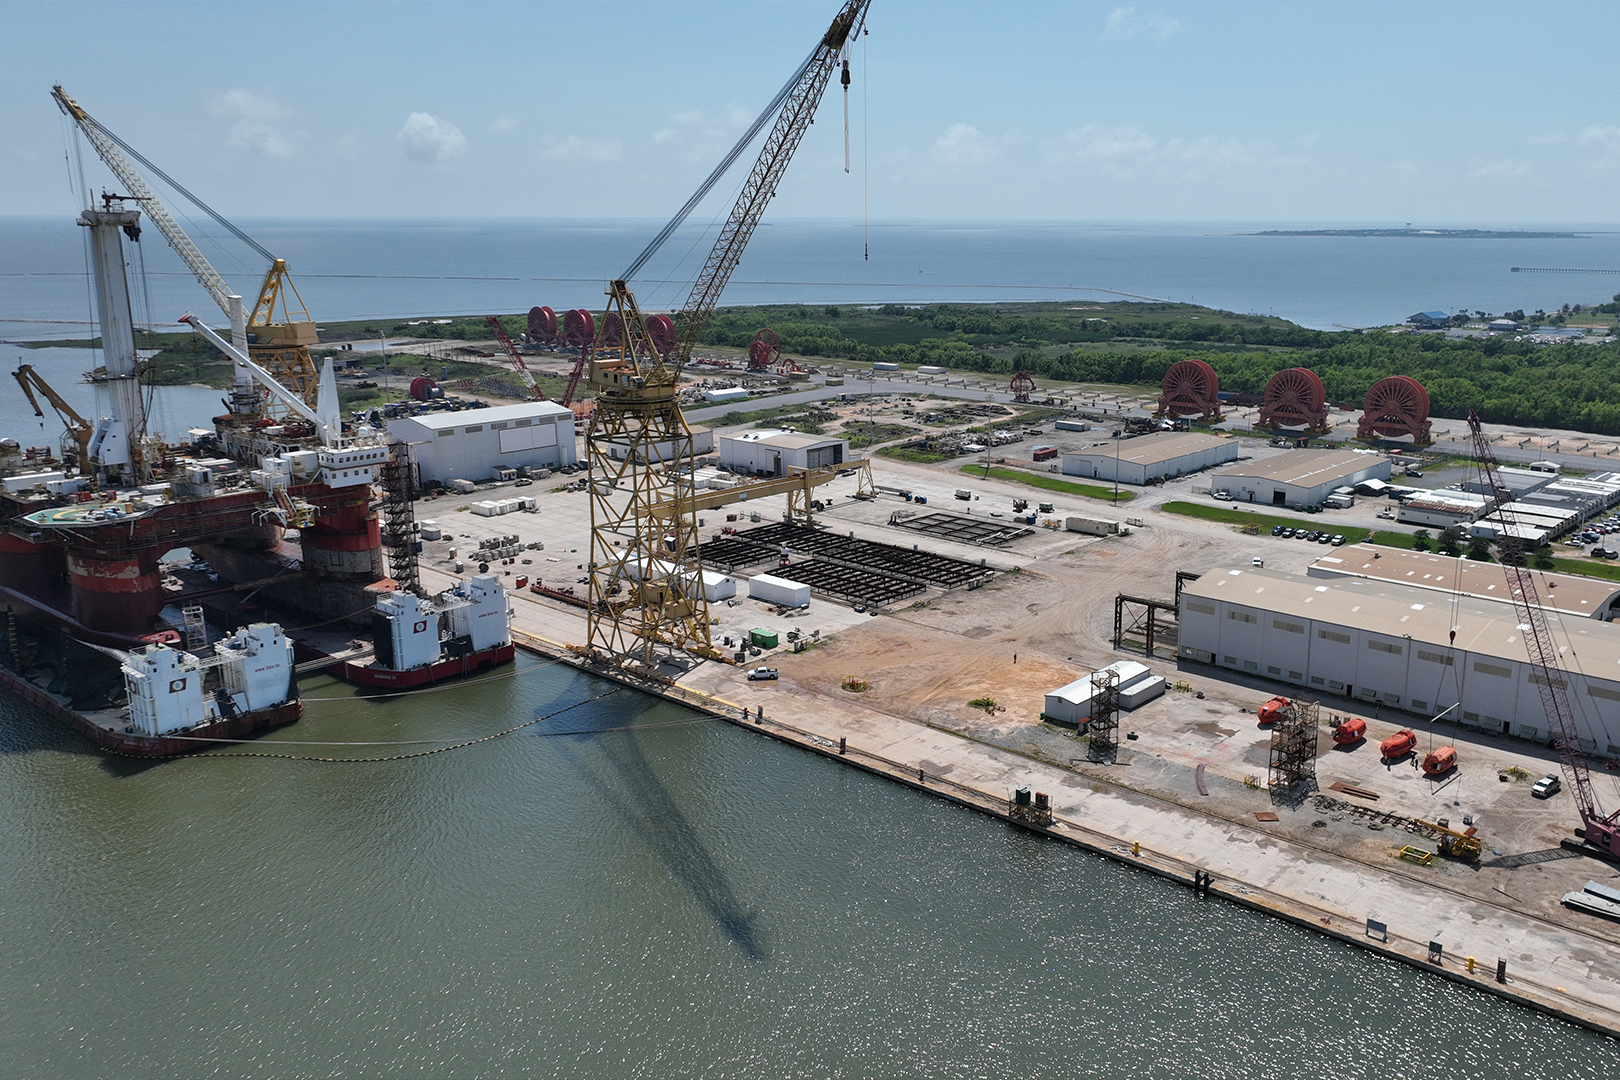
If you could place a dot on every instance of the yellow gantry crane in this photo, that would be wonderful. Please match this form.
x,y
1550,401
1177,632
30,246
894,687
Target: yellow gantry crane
x,y
279,324
77,426
646,575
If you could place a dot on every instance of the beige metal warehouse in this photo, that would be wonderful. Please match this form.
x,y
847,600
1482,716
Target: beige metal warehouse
x,y
1300,477
1390,644
1151,457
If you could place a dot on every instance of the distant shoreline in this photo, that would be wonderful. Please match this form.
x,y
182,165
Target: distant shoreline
x,y
1450,234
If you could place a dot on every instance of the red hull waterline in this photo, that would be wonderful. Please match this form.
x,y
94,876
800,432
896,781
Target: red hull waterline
x,y
362,675
155,746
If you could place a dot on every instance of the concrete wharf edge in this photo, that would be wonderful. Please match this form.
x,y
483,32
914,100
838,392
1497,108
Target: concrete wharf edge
x,y
1349,930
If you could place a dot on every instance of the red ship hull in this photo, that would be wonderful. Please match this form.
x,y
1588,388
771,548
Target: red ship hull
x,y
362,675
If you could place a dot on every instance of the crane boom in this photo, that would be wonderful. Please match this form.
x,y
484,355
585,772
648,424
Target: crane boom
x,y
794,107
516,357
799,101
110,147
1601,830
77,426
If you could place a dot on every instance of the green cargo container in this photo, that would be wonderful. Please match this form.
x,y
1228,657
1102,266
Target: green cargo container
x,y
764,639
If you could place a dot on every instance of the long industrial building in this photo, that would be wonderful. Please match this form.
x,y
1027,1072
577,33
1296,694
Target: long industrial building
x,y
472,444
1391,644
1569,594
1151,457
1300,477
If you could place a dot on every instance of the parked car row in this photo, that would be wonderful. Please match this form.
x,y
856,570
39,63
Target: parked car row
x,y
1315,536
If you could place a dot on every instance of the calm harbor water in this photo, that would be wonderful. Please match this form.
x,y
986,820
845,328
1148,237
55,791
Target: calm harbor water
x,y
676,899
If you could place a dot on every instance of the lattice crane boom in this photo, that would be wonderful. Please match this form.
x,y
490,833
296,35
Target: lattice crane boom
x,y
1602,830
516,357
110,148
794,108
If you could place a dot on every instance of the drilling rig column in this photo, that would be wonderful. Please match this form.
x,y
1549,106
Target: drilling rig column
x,y
116,445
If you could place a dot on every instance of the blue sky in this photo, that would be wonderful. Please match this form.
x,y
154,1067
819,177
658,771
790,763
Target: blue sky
x,y
1359,112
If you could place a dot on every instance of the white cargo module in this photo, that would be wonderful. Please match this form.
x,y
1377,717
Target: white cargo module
x,y
780,591
482,618
165,686
1071,704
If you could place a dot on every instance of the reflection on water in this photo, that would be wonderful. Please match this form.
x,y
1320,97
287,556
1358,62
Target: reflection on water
x,y
678,898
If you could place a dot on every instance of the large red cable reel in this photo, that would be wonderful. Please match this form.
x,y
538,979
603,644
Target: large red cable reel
x,y
1295,399
542,326
579,328
764,351
1191,387
1394,408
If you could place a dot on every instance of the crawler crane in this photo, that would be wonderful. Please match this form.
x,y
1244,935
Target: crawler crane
x,y
1601,830
646,584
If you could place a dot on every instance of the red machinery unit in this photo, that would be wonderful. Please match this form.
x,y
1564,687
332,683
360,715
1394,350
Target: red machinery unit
x,y
1439,762
1351,731
1397,745
1275,709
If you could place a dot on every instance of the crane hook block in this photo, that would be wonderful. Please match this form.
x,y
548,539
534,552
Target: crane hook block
x,y
844,78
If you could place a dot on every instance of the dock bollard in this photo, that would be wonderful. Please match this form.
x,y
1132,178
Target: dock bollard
x,y
1501,970
843,744
1136,847
1470,965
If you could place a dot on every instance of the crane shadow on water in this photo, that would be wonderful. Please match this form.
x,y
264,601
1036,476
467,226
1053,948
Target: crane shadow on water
x,y
636,794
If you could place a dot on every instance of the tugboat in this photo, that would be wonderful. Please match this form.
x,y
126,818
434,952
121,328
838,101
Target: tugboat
x,y
419,641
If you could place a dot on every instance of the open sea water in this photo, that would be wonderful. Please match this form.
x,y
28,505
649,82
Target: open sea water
x,y
624,889
391,270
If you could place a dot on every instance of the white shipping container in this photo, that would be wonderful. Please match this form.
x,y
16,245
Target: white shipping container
x,y
931,369
486,508
776,590
1091,526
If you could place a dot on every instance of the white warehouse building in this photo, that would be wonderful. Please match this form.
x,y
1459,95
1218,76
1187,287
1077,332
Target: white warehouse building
x,y
1151,457
472,444
1300,477
1391,644
768,452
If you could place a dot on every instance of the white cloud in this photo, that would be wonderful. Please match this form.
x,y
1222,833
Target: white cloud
x,y
431,140
254,124
1096,143
963,144
503,125
1124,22
1505,167
575,148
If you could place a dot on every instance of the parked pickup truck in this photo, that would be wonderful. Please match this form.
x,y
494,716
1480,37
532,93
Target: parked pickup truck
x,y
762,674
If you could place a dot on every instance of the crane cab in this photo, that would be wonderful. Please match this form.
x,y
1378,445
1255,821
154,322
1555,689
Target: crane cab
x,y
1439,762
1397,745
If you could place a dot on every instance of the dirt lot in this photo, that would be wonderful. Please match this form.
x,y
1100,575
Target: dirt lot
x,y
1053,608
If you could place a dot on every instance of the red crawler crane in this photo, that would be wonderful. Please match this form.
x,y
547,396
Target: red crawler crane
x,y
1602,830
517,358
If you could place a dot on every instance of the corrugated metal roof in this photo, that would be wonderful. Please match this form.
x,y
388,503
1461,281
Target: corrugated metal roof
x,y
1483,626
1306,468
1159,447
1559,592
